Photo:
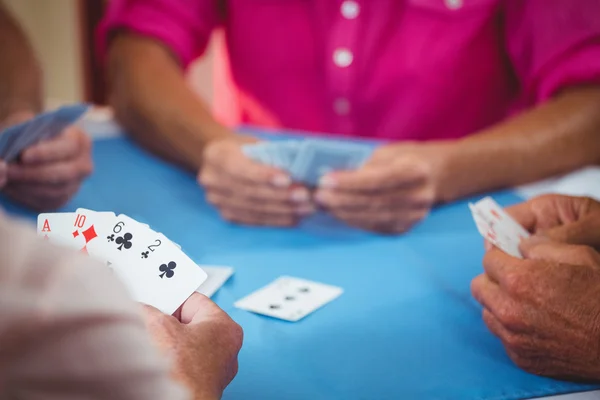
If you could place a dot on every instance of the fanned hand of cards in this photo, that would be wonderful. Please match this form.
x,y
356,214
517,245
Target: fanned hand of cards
x,y
45,126
154,269
308,160
496,226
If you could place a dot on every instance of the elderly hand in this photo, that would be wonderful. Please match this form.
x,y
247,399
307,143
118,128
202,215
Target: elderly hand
x,y
394,190
202,341
545,309
566,219
248,192
50,172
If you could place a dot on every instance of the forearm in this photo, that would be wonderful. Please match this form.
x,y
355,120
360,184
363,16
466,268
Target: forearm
x,y
554,138
20,73
154,103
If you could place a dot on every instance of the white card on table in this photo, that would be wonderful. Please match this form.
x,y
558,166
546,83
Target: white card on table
x,y
289,298
217,276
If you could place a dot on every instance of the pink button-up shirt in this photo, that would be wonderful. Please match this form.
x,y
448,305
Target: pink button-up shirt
x,y
395,69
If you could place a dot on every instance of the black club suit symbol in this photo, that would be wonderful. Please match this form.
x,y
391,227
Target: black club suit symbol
x,y
167,269
124,241
145,254
111,238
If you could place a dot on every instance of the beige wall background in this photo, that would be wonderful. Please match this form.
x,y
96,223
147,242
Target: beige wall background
x,y
53,28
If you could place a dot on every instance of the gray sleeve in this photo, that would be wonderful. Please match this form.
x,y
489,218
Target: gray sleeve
x,y
69,331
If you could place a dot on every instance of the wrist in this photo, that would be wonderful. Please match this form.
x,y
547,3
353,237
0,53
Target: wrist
x,y
446,186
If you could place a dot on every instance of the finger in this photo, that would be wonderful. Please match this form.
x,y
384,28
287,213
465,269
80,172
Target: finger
x,y
524,215
499,266
585,231
221,200
489,294
55,173
374,178
66,146
196,308
494,324
561,253
30,198
420,197
230,159
44,191
245,218
3,174
214,180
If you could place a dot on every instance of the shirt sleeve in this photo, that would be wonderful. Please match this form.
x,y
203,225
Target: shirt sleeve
x,y
553,44
68,330
183,26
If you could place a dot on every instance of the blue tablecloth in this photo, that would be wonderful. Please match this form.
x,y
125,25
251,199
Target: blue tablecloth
x,y
406,326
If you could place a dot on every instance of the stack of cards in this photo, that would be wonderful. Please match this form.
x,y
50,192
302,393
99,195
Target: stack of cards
x,y
288,298
15,139
496,226
308,160
155,270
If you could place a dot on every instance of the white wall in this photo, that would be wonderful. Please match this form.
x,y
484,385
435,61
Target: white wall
x,y
52,26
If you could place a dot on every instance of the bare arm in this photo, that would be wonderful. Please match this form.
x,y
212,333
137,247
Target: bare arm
x,y
20,73
155,104
556,137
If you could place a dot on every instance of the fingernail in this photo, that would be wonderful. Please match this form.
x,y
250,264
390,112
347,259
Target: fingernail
x,y
299,195
281,181
327,182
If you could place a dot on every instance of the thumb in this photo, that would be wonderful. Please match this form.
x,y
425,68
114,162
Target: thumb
x,y
3,174
197,308
542,248
585,231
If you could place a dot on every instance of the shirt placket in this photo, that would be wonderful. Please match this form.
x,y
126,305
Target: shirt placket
x,y
342,49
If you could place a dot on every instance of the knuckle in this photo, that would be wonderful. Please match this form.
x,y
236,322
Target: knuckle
x,y
213,198
514,282
507,316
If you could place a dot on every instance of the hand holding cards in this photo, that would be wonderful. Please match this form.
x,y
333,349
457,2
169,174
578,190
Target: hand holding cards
x,y
45,126
496,226
310,159
153,268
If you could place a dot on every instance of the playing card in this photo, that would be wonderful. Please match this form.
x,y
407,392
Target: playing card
x,y
43,126
217,276
88,230
316,158
496,226
125,241
289,298
164,279
55,227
